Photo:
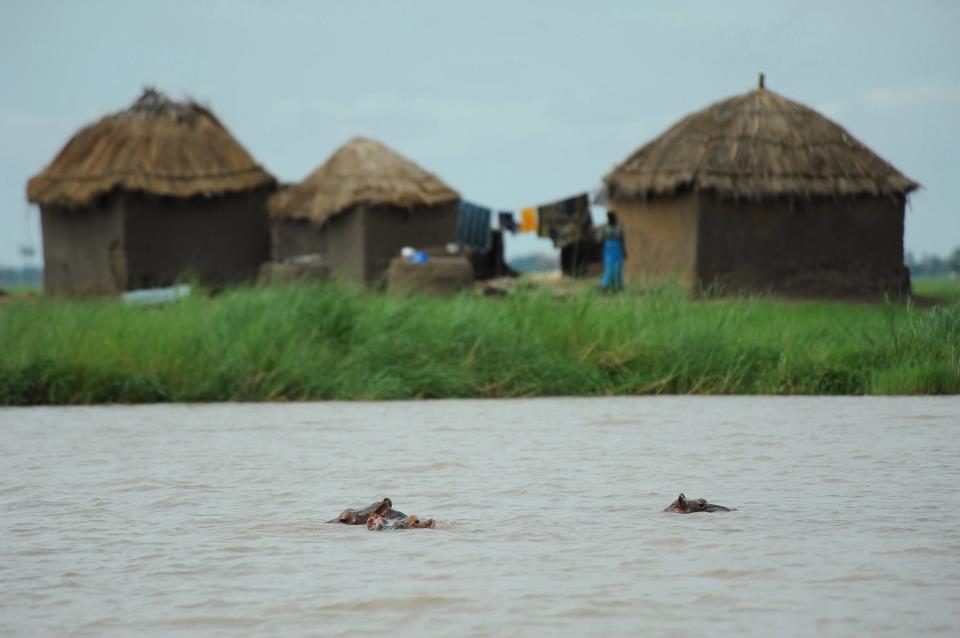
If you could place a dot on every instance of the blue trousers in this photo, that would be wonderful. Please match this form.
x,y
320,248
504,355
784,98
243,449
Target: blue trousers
x,y
612,265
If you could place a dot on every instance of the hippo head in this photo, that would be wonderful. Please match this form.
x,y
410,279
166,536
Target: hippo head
x,y
359,517
683,505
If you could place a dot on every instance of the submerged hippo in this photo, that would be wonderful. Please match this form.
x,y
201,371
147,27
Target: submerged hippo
x,y
687,506
381,515
382,508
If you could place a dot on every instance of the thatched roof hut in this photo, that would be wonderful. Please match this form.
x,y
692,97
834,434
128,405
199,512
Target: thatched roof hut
x,y
362,171
156,146
148,194
758,191
360,207
758,145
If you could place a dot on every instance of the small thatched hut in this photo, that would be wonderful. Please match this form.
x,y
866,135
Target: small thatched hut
x,y
149,194
760,193
358,210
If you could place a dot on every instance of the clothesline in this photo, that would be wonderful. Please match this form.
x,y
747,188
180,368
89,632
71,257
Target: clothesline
x,y
597,197
563,221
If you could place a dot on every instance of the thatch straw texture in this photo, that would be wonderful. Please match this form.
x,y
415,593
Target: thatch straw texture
x,y
756,146
362,171
156,146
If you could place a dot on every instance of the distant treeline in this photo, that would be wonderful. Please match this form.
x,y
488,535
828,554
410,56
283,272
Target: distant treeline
x,y
933,266
332,341
27,276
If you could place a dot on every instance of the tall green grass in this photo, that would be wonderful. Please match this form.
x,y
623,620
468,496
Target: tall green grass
x,y
339,342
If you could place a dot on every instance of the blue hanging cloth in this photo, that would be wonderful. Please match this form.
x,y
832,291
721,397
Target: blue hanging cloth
x,y
473,227
507,222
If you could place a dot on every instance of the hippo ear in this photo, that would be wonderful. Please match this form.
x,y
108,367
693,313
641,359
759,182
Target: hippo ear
x,y
682,500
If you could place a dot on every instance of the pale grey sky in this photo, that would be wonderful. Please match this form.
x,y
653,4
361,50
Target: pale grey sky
x,y
512,103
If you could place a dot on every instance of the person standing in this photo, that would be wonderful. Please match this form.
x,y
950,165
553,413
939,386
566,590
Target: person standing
x,y
614,252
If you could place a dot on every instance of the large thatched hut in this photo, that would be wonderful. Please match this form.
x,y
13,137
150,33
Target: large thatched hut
x,y
760,193
358,210
149,194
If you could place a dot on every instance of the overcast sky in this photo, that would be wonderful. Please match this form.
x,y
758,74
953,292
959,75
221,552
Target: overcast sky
x,y
512,103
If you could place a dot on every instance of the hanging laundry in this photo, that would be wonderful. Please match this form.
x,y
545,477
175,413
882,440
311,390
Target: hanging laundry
x,y
528,220
473,227
506,221
565,221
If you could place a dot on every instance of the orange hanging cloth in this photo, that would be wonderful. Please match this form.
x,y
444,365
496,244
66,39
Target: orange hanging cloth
x,y
528,220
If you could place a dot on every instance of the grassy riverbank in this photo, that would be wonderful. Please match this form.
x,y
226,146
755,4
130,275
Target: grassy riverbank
x,y
942,288
337,342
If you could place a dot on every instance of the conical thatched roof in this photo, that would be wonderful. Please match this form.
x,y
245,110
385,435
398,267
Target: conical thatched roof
x,y
156,146
362,171
755,146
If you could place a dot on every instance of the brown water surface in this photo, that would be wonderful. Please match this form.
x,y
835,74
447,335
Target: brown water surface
x,y
208,519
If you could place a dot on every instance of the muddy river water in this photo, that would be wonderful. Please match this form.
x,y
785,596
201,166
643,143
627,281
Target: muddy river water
x,y
209,519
